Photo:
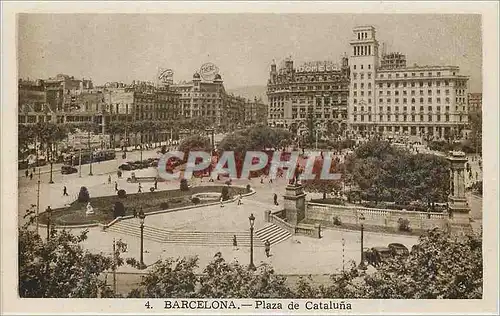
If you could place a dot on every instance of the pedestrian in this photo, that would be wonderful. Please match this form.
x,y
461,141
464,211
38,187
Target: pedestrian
x,y
140,188
34,169
134,212
239,199
31,176
276,199
116,186
261,179
65,191
109,179
271,180
26,173
156,184
235,242
221,205
267,246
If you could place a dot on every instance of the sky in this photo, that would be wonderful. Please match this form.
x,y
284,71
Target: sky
x,y
127,47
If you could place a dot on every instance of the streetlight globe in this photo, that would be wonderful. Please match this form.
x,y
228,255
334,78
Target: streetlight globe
x,y
251,218
142,216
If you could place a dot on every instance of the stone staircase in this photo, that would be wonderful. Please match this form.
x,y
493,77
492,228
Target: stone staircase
x,y
273,233
199,238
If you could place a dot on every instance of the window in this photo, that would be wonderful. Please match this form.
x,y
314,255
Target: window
x,y
421,83
381,75
447,118
380,109
388,92
380,85
405,109
396,93
413,84
438,91
397,109
362,93
404,100
362,76
413,74
396,100
388,109
380,101
355,85
447,108
397,75
369,85
362,85
438,118
369,101
430,74
369,93
429,92
390,75
361,66
421,108
446,83
413,108
355,101
381,117
412,100
413,118
388,118
429,100
354,75
354,67
448,100
369,66
429,108
369,75
406,75
421,118
388,100
380,92
404,84
421,92
439,74
430,118
421,100
447,91
412,92
355,118
355,109
405,92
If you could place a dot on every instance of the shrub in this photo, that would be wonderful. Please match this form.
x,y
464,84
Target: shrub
x,y
195,200
83,195
249,188
404,225
333,201
122,194
163,205
337,221
118,210
225,194
177,201
184,185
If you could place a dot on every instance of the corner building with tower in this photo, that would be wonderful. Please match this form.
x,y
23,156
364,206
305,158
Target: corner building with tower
x,y
391,99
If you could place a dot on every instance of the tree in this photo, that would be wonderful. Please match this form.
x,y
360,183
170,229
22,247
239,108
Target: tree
x,y
83,195
223,279
171,278
60,267
440,266
323,185
195,143
476,125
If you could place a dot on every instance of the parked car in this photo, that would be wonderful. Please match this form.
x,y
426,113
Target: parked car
x,y
65,169
126,166
398,249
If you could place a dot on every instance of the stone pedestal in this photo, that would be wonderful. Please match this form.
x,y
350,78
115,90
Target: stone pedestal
x,y
458,207
295,203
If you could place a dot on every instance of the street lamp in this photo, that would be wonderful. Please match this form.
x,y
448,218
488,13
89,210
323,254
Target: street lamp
x,y
49,215
142,216
51,163
362,262
251,218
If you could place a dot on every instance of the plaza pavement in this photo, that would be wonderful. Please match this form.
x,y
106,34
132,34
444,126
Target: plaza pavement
x,y
296,255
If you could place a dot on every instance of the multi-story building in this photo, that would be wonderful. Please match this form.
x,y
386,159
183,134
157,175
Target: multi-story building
x,y
317,91
475,101
255,112
390,98
202,98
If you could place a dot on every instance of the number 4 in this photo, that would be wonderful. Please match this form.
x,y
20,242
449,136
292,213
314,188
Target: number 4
x,y
148,306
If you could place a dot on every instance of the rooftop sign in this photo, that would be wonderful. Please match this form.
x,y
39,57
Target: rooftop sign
x,y
318,66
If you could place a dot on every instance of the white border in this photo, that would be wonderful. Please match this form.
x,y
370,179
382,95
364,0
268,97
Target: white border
x,y
489,10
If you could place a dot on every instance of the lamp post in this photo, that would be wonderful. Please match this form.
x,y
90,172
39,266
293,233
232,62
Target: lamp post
x,y
362,262
91,154
251,218
49,214
51,163
141,219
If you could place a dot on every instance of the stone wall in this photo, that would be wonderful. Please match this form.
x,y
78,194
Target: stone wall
x,y
388,219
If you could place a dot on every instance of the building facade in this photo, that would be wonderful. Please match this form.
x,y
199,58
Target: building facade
x,y
395,100
315,91
475,101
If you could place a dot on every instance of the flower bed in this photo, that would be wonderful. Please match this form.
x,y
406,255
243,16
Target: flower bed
x,y
147,201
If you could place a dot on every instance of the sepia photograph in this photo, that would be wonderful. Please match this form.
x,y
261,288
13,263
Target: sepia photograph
x,y
250,162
